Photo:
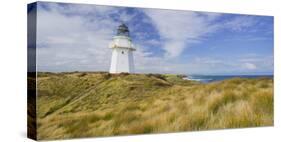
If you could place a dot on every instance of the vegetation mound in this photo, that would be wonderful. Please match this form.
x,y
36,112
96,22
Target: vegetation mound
x,y
89,104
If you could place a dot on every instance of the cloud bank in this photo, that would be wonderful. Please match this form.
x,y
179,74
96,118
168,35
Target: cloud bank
x,y
73,37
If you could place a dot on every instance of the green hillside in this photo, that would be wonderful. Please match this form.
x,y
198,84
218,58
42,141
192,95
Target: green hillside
x,y
85,104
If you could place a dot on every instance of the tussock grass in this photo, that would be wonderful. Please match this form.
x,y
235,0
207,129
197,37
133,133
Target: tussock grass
x,y
88,104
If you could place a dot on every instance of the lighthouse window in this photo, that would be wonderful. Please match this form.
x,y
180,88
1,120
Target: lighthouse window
x,y
122,52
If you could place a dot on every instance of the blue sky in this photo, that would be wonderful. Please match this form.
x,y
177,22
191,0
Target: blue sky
x,y
75,37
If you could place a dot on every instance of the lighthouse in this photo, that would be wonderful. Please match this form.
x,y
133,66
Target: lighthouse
x,y
122,59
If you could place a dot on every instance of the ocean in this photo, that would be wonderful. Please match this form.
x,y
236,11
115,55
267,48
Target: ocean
x,y
213,78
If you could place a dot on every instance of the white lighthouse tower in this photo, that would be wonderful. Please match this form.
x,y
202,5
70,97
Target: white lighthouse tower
x,y
122,51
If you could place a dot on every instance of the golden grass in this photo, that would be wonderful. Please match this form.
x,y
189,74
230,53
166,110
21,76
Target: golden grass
x,y
99,104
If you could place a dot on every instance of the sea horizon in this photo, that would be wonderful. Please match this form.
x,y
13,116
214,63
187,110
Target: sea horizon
x,y
213,78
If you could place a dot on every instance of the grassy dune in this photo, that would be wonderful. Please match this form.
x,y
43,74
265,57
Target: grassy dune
x,y
73,105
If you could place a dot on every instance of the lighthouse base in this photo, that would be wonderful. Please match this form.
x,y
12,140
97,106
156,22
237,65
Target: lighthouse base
x,y
122,61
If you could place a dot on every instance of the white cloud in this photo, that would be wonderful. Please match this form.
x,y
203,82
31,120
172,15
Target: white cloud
x,y
76,37
239,23
257,62
249,66
76,42
70,41
124,17
179,29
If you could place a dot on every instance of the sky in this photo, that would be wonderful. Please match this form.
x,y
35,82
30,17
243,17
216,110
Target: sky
x,y
75,37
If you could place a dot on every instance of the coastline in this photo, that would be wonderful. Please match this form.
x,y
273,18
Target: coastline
x,y
215,78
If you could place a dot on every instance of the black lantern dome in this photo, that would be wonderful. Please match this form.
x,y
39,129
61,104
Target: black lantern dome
x,y
123,30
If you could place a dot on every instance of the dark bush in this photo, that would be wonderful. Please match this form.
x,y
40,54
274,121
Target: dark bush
x,y
107,76
159,76
124,73
82,74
